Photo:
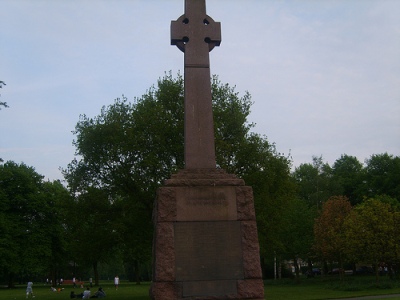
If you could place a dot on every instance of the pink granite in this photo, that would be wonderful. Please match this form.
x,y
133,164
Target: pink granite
x,y
245,203
164,253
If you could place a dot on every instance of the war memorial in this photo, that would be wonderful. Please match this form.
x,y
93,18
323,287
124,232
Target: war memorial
x,y
205,239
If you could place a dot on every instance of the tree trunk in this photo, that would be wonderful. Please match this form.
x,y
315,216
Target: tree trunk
x,y
296,269
325,271
309,266
341,270
11,280
137,271
53,277
96,273
279,269
377,272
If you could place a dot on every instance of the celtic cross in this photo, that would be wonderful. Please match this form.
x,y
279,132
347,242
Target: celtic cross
x,y
196,34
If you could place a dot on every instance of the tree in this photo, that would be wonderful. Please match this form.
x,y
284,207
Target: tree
x,y
349,173
93,229
315,183
28,213
329,229
372,233
131,148
298,232
383,176
56,196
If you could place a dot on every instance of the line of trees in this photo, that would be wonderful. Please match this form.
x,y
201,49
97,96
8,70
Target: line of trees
x,y
126,152
326,198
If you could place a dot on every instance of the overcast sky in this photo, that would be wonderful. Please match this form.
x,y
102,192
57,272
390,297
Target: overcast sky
x,y
324,75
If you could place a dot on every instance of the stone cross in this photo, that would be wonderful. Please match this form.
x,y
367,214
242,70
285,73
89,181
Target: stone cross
x,y
196,34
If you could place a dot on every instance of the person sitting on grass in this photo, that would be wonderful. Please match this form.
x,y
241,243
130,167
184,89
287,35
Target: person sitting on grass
x,y
99,294
86,294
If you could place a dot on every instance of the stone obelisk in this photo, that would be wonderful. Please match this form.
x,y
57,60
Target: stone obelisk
x,y
205,239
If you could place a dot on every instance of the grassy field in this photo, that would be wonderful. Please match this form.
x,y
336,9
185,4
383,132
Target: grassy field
x,y
330,288
308,289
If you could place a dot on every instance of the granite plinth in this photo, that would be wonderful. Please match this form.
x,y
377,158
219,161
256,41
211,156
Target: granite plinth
x,y
205,244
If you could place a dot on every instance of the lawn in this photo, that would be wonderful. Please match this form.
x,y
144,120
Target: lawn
x,y
308,289
330,288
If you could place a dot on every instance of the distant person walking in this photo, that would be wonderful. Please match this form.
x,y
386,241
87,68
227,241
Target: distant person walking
x,y
116,282
74,282
29,290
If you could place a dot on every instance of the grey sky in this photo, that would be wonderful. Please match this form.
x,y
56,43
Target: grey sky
x,y
324,75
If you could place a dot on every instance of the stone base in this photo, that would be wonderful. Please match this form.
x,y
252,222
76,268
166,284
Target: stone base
x,y
205,241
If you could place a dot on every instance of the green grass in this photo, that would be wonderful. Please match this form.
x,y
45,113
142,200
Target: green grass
x,y
125,291
308,289
322,288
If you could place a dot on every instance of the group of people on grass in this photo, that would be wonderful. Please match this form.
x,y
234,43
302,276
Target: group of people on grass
x,y
85,295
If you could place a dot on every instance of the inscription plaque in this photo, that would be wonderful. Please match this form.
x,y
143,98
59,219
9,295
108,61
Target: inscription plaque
x,y
208,250
206,204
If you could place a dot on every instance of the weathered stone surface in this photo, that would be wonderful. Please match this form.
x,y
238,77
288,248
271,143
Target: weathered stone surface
x,y
245,203
164,256
251,250
195,33
166,204
251,289
166,290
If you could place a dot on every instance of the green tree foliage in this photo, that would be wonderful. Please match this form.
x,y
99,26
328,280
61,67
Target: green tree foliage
x,y
56,197
383,176
298,232
372,234
315,183
349,173
131,148
329,229
349,178
93,229
29,212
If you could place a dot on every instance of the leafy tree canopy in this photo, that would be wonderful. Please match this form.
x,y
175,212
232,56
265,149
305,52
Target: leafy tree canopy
x,y
30,211
372,233
329,229
317,181
130,148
